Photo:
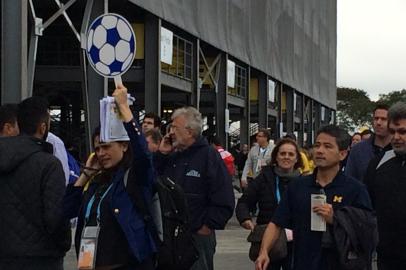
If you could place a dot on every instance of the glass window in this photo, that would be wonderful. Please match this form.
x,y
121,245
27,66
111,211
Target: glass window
x,y
240,88
181,60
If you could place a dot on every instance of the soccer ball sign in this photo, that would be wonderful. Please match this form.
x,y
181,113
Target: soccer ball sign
x,y
110,45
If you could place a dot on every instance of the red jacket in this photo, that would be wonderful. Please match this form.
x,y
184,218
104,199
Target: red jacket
x,y
228,160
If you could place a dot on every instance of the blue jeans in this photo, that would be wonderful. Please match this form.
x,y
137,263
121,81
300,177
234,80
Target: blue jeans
x,y
206,245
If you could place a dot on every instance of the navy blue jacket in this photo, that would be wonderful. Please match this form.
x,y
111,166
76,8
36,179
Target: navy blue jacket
x,y
131,222
359,157
201,172
294,213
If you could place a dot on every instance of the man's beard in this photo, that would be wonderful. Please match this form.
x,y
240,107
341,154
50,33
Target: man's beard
x,y
177,146
400,152
44,138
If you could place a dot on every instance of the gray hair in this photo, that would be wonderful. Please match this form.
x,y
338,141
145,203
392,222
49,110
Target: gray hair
x,y
193,119
397,112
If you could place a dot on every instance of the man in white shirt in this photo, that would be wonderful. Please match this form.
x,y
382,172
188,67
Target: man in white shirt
x,y
258,157
60,153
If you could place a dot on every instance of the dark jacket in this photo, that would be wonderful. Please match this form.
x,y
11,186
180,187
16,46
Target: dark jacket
x,y
386,183
359,157
130,221
261,190
32,186
355,236
294,212
200,171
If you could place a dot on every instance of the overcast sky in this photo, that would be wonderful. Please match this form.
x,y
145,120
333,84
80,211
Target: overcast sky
x,y
371,45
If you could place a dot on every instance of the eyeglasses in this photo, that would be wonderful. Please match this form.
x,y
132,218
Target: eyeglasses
x,y
173,127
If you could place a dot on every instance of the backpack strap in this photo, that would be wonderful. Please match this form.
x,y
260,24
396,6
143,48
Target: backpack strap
x,y
126,177
143,209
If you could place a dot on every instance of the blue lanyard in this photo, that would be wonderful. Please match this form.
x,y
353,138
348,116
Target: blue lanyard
x,y
263,153
278,194
90,204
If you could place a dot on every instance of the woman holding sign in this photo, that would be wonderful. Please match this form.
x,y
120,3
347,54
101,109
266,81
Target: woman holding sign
x,y
111,233
266,190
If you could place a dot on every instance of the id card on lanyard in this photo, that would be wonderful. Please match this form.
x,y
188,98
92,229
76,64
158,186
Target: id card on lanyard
x,y
277,190
261,162
90,236
288,232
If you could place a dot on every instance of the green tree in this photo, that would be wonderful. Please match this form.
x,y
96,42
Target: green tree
x,y
392,97
353,108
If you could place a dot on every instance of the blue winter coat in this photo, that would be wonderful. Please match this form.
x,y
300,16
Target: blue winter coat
x,y
130,220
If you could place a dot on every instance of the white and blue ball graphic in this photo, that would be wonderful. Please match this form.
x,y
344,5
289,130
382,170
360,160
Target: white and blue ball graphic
x,y
110,45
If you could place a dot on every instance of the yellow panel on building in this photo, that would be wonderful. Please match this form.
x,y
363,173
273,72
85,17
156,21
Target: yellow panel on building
x,y
254,89
283,101
139,38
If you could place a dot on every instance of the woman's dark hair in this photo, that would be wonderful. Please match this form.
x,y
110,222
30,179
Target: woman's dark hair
x,y
275,151
128,155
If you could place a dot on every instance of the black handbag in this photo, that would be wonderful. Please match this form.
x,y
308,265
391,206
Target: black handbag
x,y
279,250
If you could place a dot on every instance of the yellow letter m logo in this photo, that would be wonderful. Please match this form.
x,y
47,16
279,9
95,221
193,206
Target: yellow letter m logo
x,y
337,199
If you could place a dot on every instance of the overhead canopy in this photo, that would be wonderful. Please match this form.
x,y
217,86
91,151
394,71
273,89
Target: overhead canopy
x,y
292,41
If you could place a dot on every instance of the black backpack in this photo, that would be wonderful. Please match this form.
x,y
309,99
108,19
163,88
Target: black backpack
x,y
167,220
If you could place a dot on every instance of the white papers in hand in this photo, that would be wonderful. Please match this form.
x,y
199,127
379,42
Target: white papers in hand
x,y
111,126
317,222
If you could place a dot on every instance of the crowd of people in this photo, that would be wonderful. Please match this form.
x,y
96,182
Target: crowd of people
x,y
327,204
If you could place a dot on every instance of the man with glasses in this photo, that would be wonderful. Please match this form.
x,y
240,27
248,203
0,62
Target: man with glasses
x,y
187,159
258,157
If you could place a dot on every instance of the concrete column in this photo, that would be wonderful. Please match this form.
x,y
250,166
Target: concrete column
x,y
93,84
263,101
14,50
195,74
289,110
317,115
278,94
152,64
310,133
246,119
300,138
221,101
